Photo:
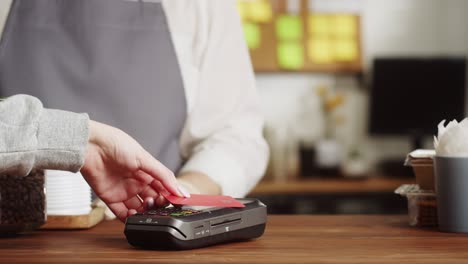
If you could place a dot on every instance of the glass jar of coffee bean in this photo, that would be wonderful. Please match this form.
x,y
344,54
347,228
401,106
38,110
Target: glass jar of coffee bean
x,y
22,203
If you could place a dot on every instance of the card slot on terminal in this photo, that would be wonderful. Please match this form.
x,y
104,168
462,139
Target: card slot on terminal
x,y
235,219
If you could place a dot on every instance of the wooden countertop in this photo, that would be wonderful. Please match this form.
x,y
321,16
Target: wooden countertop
x,y
288,239
331,185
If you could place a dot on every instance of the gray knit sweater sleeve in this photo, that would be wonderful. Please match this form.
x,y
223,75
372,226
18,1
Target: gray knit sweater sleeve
x,y
32,137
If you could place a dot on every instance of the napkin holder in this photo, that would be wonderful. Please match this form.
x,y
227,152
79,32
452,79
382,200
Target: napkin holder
x,y
422,163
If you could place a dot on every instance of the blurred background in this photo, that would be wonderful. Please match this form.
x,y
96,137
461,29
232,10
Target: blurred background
x,y
348,88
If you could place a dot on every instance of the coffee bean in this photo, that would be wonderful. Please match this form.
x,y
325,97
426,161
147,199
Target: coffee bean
x,y
22,199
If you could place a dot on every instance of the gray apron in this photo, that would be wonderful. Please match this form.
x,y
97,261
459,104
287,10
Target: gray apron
x,y
113,59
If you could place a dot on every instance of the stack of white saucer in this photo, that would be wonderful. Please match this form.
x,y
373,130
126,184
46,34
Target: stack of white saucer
x,y
67,193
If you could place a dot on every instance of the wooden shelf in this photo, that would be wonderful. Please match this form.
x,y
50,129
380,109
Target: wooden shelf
x,y
331,185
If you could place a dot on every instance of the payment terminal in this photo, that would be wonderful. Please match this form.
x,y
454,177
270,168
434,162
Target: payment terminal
x,y
190,227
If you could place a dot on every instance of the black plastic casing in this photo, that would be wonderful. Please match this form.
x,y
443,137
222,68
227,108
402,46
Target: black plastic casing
x,y
209,227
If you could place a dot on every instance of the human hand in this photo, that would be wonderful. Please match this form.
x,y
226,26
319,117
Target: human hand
x,y
124,175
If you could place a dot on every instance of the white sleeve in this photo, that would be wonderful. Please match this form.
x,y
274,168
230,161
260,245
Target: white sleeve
x,y
223,137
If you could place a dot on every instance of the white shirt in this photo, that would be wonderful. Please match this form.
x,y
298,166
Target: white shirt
x,y
222,136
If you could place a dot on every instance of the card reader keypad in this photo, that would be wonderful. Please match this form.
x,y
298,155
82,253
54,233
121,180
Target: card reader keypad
x,y
172,211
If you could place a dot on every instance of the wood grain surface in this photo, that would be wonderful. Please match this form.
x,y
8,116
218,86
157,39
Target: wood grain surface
x,y
288,239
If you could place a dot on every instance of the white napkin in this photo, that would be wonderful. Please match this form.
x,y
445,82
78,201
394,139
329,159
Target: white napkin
x,y
420,156
452,140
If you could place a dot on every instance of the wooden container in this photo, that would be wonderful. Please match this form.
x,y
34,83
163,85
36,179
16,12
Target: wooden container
x,y
424,174
423,167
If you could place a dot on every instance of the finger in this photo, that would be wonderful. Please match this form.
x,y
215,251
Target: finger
x,y
157,185
143,177
120,210
149,203
161,201
149,191
134,203
160,172
131,186
131,212
160,189
149,195
153,191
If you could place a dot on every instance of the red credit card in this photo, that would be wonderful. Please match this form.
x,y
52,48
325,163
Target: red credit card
x,y
203,200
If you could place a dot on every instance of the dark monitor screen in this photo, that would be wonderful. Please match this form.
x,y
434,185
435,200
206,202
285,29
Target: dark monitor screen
x,y
410,96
